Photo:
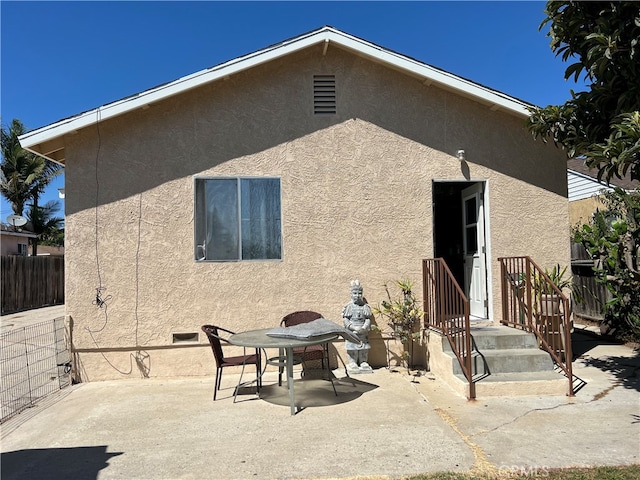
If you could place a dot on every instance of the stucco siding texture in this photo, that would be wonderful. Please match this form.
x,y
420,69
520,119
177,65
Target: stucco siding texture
x,y
356,191
581,211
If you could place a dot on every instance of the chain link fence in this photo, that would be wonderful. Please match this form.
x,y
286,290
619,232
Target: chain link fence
x,y
35,361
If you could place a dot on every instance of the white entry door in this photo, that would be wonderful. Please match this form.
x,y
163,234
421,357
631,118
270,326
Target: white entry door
x,y
474,249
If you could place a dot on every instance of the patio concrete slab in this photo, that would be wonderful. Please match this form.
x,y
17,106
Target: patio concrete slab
x,y
167,429
382,425
599,426
30,317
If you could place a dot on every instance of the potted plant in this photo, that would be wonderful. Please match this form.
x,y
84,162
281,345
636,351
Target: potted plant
x,y
402,315
549,300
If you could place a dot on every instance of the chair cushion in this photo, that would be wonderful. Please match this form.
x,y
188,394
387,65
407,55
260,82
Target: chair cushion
x,y
315,328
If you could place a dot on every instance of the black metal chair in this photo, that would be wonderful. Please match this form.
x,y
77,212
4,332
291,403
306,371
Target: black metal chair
x,y
213,334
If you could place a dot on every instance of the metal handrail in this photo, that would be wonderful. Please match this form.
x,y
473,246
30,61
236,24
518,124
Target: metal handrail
x,y
532,302
446,310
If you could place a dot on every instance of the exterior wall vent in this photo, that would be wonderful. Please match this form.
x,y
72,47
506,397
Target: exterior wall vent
x,y
185,337
324,94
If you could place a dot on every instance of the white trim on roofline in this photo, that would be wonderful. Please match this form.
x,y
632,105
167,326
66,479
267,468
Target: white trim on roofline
x,y
325,34
22,234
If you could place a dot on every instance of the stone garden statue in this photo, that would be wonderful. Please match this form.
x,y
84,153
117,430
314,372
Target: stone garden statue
x,y
357,318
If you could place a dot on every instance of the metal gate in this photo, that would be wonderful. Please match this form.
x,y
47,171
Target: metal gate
x,y
35,361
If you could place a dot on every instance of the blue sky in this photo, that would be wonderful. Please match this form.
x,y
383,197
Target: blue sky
x,y
59,59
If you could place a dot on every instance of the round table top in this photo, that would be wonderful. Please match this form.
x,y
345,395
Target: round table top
x,y
260,339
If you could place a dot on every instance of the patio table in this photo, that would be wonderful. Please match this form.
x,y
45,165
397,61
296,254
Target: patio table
x,y
260,339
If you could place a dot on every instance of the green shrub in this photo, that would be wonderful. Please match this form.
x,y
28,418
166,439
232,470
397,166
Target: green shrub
x,y
612,238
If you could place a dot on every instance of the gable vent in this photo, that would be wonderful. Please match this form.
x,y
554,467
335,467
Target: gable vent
x,y
324,94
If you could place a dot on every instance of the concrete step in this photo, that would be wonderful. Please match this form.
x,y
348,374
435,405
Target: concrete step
x,y
515,384
498,338
507,361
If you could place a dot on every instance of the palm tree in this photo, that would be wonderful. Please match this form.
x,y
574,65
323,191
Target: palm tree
x,y
23,175
45,224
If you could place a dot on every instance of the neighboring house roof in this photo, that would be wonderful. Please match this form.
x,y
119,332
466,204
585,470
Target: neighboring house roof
x,y
48,141
583,181
13,232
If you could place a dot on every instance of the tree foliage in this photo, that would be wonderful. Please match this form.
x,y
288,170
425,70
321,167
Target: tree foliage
x,y
601,42
601,125
19,170
46,224
23,179
612,238
23,175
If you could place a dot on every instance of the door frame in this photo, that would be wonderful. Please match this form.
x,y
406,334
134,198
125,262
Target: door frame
x,y
477,259
489,267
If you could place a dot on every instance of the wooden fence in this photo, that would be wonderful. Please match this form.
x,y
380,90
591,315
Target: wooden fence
x,y
594,295
31,282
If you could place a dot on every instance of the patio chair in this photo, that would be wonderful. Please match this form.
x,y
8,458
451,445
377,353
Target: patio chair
x,y
313,352
213,334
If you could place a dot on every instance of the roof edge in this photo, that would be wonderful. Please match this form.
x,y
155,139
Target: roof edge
x,y
33,139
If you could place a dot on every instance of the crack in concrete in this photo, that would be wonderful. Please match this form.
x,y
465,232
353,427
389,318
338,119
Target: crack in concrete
x,y
519,417
481,465
603,393
596,397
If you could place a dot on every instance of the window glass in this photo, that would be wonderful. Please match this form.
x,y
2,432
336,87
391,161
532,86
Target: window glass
x,y
471,210
261,237
472,240
222,219
237,219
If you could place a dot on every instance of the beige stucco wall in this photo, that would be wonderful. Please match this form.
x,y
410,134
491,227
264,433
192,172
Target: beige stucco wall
x,y
9,243
581,211
356,203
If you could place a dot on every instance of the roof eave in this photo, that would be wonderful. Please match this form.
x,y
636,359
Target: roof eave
x,y
48,142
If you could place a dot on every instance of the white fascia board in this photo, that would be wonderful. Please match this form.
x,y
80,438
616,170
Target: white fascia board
x,y
438,76
325,34
18,234
147,97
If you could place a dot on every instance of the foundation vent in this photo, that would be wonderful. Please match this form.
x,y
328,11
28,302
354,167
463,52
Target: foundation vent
x,y
324,94
185,337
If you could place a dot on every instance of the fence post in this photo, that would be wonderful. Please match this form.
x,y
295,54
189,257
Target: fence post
x,y
26,359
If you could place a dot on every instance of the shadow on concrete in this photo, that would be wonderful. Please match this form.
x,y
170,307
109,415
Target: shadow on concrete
x,y
317,392
55,463
625,369
582,343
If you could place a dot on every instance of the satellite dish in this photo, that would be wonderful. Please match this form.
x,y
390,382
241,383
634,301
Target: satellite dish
x,y
16,220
